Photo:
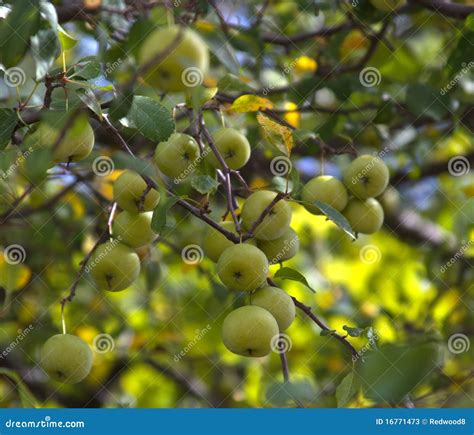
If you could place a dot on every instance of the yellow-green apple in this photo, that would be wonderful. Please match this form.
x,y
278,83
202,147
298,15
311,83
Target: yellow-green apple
x,y
134,229
366,177
249,331
242,267
132,194
324,188
277,302
281,249
274,224
233,147
364,216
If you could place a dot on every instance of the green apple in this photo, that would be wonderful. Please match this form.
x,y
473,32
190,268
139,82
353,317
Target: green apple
x,y
129,193
281,249
242,267
66,358
178,156
134,229
249,331
390,200
275,224
365,216
183,67
278,303
233,147
114,266
366,177
215,242
324,188
388,5
76,144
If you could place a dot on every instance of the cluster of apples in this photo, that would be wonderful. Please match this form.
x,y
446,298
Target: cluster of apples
x,y
365,178
253,330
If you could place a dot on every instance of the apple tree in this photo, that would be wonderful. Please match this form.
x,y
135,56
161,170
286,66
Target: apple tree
x,y
236,204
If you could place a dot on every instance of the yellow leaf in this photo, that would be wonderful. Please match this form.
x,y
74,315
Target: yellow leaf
x,y
13,276
272,128
305,64
204,26
292,117
468,190
251,103
76,205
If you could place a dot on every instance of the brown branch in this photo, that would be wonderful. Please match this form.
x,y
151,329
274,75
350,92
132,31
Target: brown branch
x,y
324,327
446,8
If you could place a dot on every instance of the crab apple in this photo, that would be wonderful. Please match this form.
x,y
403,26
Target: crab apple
x,y
366,177
364,216
178,156
278,303
114,266
215,242
66,358
184,66
274,224
249,331
324,188
233,147
390,201
242,267
134,229
132,194
387,5
281,249
75,145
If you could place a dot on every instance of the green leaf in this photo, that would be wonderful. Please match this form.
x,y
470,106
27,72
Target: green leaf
x,y
426,101
152,274
158,222
26,397
89,99
87,69
121,104
287,393
15,31
333,215
67,41
36,167
217,41
8,121
464,51
346,390
151,119
326,332
353,332
124,160
391,372
204,184
48,12
45,48
293,275
231,82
